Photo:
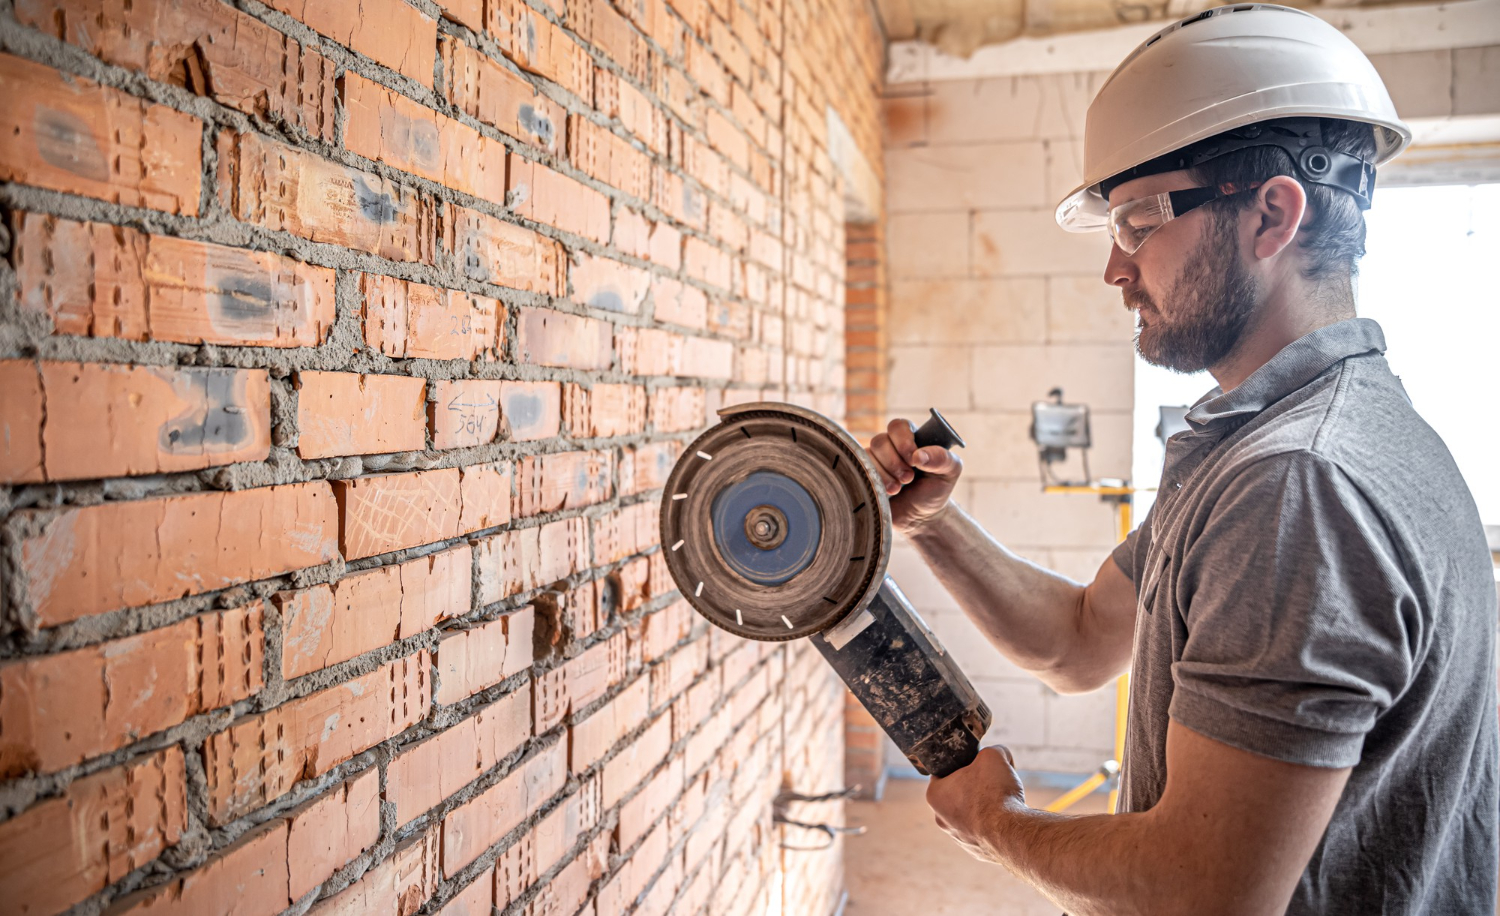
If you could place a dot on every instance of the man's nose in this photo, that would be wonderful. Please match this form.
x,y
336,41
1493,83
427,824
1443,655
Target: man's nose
x,y
1120,270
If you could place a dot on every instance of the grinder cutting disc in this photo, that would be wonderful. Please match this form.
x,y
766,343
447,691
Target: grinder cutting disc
x,y
775,524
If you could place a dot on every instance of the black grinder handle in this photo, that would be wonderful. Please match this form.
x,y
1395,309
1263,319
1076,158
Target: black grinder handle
x,y
936,431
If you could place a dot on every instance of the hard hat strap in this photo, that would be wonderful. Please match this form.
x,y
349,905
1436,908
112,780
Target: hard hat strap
x,y
1301,138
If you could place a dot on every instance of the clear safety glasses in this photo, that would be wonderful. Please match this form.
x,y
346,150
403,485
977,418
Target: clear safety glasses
x,y
1132,222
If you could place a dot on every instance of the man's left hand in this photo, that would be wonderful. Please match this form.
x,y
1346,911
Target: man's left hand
x,y
971,803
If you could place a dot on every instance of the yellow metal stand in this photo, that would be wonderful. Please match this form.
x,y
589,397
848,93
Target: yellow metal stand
x,y
1121,497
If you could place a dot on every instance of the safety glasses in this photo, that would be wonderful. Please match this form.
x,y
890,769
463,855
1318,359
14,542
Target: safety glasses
x,y
1132,222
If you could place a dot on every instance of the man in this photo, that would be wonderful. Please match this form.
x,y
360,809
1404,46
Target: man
x,y
1310,601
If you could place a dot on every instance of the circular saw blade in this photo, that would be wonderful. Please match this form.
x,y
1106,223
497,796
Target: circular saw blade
x,y
774,523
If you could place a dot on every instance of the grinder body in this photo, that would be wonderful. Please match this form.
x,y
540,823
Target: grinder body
x,y
776,526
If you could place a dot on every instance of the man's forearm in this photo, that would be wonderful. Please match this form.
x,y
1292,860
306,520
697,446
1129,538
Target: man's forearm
x,y
1032,615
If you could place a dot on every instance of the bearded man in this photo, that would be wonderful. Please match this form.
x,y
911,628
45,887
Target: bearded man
x,y
1308,612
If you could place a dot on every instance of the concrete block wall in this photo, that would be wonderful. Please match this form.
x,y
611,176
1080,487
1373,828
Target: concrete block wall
x,y
992,305
344,349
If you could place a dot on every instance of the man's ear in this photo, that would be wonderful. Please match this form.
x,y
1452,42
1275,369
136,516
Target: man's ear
x,y
1280,208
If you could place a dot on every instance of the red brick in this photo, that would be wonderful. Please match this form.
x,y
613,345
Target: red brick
x,y
532,410
545,845
114,694
388,127
596,151
513,562
432,770
154,419
538,193
597,23
327,624
127,554
249,877
660,632
567,480
397,886
636,761
66,133
666,246
388,32
286,189
466,412
630,530
645,467
695,706
97,280
493,94
385,512
631,582
258,759
679,199
609,285
103,827
617,98
345,413
672,676
677,409
490,250
707,263
619,894
642,811
574,614
632,233
478,824
678,303
331,831
469,661
601,411
407,319
591,739
580,681
467,12
206,47
475,900
551,338
537,46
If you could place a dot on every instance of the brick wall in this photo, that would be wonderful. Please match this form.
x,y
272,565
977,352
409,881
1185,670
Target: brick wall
x,y
344,349
991,306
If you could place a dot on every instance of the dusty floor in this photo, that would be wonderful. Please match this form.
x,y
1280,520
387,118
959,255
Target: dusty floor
x,y
905,866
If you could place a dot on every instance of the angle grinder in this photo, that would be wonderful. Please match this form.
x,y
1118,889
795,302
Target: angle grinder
x,y
776,526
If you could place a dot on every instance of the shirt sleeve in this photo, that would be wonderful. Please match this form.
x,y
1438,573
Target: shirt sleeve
x,y
1301,626
1133,548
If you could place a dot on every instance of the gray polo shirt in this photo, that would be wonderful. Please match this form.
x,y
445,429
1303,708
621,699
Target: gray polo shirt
x,y
1314,586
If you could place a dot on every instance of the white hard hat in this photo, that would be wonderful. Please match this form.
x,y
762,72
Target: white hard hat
x,y
1220,70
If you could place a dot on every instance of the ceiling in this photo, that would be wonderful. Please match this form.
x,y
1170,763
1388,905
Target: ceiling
x,y
959,27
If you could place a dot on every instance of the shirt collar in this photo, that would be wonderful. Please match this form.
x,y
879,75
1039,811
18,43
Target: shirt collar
x,y
1298,363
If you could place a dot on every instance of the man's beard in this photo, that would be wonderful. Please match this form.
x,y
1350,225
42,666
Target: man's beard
x,y
1213,300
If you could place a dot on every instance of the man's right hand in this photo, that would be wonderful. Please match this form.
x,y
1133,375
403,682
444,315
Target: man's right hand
x,y
914,501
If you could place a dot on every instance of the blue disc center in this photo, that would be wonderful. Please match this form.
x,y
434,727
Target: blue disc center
x,y
773,566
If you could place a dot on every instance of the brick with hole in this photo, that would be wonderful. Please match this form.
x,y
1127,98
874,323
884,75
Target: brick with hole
x,y
98,280
538,193
626,531
551,338
346,413
537,46
580,681
465,412
70,134
604,410
675,410
113,694
207,48
330,831
469,661
491,250
597,151
407,319
250,876
98,830
287,189
474,826
434,769
396,886
389,32
513,562
259,758
156,419
545,845
488,91
385,126
609,285
364,611
95,559
574,614
631,582
561,481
